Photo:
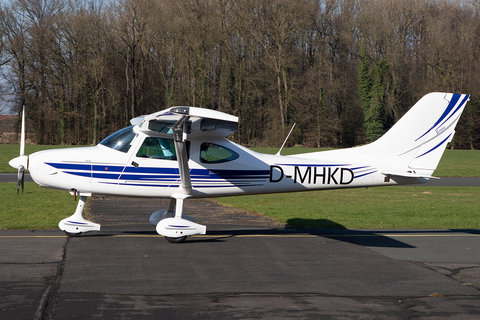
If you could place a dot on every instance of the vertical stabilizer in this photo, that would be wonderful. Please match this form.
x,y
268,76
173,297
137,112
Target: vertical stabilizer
x,y
419,138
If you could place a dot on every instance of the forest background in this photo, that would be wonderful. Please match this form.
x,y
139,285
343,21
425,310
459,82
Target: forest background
x,y
343,70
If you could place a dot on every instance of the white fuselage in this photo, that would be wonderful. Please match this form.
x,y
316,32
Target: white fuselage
x,y
106,171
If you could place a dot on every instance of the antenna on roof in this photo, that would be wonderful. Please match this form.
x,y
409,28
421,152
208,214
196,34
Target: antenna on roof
x,y
288,135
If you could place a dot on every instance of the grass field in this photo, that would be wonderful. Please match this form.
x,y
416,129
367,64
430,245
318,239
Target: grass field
x,y
389,207
36,208
373,208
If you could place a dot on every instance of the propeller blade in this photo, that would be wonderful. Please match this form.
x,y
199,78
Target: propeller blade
x,y
21,162
21,179
22,137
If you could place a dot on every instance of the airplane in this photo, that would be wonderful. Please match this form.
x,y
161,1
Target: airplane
x,y
182,153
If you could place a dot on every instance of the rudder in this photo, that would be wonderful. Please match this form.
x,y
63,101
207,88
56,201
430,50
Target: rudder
x,y
436,138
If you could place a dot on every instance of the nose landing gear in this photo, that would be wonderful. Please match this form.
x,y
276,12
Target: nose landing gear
x,y
75,225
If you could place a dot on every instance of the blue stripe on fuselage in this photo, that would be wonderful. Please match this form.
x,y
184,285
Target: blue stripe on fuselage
x,y
115,172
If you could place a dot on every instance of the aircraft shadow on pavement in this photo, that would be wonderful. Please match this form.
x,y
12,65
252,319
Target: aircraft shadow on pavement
x,y
333,230
362,238
326,229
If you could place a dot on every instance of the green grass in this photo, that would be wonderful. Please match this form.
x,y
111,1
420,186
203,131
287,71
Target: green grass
x,y
373,208
36,208
459,163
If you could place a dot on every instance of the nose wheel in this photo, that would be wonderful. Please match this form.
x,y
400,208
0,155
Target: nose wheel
x,y
76,224
176,240
73,234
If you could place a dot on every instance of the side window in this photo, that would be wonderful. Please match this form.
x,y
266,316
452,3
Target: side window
x,y
213,153
159,148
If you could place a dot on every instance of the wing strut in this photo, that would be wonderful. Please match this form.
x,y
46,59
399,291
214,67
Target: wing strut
x,y
177,229
179,134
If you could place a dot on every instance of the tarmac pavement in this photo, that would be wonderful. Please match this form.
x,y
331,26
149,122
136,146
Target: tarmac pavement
x,y
246,267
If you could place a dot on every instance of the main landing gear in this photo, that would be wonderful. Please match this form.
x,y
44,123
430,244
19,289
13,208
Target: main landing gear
x,y
175,227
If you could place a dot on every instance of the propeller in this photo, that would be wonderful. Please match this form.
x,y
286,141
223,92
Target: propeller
x,y
21,179
21,162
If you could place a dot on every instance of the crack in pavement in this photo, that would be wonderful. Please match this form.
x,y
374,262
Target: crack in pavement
x,y
49,300
466,274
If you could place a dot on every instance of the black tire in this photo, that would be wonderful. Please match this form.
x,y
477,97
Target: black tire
x,y
176,240
73,234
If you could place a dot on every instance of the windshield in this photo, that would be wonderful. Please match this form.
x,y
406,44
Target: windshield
x,y
121,140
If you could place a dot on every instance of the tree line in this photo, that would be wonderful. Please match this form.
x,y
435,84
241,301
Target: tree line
x,y
343,70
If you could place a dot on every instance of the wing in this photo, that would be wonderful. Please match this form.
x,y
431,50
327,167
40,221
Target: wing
x,y
186,123
199,122
137,120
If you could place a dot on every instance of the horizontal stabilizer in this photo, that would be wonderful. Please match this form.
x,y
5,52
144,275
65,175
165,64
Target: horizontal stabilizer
x,y
407,175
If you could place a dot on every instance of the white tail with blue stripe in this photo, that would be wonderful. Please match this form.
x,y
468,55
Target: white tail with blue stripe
x,y
417,141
